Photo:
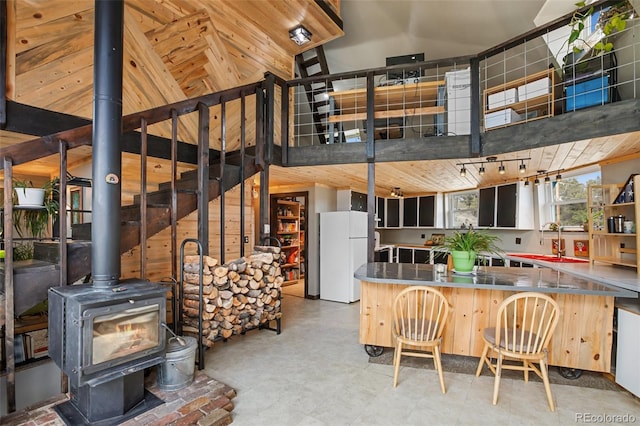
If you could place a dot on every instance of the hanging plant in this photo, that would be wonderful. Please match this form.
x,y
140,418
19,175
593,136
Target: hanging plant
x,y
611,21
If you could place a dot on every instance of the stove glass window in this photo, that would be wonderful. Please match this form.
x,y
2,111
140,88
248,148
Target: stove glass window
x,y
126,332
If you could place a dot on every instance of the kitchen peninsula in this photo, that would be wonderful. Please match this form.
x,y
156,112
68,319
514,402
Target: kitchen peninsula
x,y
582,340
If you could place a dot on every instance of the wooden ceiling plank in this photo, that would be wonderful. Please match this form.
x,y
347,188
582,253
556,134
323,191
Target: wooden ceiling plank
x,y
33,13
158,12
58,51
77,23
155,80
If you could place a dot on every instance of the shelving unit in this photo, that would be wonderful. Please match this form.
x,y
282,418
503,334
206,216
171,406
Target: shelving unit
x,y
528,107
288,232
604,201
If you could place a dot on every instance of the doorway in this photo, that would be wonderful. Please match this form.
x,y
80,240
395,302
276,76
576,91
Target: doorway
x,y
288,220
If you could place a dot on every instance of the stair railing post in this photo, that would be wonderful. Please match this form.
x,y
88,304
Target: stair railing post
x,y
143,197
174,194
242,177
203,177
62,213
223,160
9,322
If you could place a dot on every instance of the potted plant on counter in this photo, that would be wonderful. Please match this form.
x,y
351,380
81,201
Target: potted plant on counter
x,y
465,246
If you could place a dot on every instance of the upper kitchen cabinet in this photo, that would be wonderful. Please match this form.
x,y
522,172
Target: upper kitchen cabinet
x,y
408,212
351,200
506,206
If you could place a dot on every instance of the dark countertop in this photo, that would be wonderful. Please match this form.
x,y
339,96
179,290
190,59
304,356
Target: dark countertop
x,y
544,280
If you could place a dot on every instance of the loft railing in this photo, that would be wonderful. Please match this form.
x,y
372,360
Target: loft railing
x,y
531,77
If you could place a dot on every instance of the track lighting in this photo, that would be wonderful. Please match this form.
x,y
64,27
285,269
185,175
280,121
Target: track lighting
x,y
396,192
546,174
501,168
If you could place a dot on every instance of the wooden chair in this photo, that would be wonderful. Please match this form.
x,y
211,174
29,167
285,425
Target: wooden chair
x,y
526,321
419,314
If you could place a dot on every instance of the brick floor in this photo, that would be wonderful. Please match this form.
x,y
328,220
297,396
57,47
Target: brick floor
x,y
205,402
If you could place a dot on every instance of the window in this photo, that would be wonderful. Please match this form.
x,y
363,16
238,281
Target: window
x,y
568,199
463,209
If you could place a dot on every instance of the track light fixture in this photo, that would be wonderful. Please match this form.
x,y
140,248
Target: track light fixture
x,y
546,174
396,192
501,168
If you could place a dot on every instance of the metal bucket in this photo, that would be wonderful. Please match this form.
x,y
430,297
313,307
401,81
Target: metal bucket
x,y
178,369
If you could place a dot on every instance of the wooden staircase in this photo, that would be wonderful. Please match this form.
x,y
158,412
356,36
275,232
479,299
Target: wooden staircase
x,y
46,253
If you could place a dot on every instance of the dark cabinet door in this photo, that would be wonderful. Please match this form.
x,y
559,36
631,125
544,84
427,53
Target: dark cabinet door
x,y
421,256
410,212
426,210
487,209
393,213
380,211
358,201
405,255
381,256
507,202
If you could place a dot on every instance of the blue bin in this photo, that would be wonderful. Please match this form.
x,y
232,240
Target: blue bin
x,y
587,93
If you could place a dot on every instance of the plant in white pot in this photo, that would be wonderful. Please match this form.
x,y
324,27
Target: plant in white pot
x,y
465,246
31,215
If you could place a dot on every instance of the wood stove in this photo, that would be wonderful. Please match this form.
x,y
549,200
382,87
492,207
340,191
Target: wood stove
x,y
105,334
103,339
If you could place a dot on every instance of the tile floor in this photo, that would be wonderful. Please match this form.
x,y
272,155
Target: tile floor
x,y
316,373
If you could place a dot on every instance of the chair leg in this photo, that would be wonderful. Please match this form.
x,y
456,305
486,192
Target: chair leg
x,y
396,363
438,363
496,383
547,387
483,359
525,365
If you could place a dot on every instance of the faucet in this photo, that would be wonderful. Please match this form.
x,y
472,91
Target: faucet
x,y
559,228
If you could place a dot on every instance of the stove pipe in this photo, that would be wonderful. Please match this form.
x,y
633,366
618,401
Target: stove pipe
x,y
107,131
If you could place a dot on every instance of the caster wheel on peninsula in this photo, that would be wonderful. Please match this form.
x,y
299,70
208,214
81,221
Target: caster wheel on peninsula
x,y
570,373
372,350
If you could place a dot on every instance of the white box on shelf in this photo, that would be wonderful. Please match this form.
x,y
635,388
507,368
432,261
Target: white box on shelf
x,y
534,89
504,98
501,118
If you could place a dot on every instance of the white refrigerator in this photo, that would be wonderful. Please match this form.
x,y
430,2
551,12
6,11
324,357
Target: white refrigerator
x,y
343,249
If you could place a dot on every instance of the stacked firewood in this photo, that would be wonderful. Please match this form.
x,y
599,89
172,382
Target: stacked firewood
x,y
236,296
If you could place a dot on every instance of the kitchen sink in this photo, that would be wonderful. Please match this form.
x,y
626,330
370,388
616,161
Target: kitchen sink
x,y
548,258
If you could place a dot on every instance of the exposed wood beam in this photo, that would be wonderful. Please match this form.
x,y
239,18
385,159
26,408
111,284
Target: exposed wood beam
x,y
35,121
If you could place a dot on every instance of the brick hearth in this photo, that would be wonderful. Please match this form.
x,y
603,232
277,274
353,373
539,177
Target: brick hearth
x,y
205,402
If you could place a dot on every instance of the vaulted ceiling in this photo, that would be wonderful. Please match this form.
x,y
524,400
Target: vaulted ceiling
x,y
176,49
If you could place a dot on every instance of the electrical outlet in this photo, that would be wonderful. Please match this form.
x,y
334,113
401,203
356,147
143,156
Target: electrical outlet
x,y
422,235
518,240
246,239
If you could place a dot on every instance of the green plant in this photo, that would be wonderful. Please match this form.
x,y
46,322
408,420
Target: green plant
x,y
34,222
610,21
22,251
472,240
